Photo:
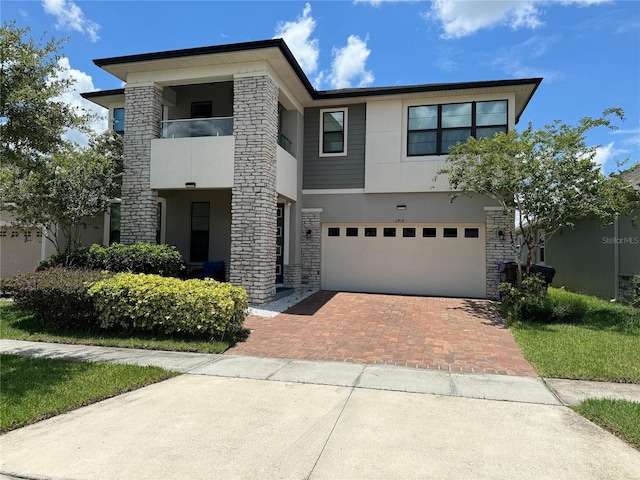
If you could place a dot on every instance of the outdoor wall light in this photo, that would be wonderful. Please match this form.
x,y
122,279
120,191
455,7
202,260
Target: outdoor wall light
x,y
190,185
309,233
501,235
401,207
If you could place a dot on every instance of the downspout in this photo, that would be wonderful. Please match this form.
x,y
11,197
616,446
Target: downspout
x,y
616,260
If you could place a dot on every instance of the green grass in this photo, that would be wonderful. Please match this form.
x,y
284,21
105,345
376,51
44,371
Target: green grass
x,y
17,324
32,389
600,341
618,416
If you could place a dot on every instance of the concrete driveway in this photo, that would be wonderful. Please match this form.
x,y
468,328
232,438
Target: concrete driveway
x,y
451,334
205,427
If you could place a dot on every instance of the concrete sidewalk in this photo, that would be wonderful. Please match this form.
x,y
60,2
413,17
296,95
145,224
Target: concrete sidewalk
x,y
372,376
312,420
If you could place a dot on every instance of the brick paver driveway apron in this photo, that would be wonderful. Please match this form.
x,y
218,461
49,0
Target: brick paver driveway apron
x,y
452,334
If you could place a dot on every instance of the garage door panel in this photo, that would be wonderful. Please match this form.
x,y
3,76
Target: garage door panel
x,y
410,265
19,251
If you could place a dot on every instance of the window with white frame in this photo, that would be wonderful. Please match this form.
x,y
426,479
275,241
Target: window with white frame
x,y
333,132
434,129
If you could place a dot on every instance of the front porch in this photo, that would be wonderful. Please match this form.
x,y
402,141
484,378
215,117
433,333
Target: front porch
x,y
199,223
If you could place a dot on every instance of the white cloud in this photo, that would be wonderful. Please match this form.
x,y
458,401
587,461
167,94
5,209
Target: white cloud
x,y
461,19
633,137
349,64
608,156
584,3
70,17
377,3
604,154
82,83
297,35
511,60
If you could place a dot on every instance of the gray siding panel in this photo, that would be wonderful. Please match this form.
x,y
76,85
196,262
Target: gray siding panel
x,y
334,172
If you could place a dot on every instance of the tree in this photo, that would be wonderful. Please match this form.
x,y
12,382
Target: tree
x,y
32,118
548,177
46,180
66,190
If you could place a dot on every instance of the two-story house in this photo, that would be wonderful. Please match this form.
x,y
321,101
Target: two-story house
x,y
233,156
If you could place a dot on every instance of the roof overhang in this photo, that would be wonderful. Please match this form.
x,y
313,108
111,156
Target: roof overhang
x,y
284,64
523,89
104,98
274,52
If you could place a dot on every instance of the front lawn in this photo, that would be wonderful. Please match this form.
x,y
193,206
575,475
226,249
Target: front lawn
x,y
618,416
602,342
32,389
17,324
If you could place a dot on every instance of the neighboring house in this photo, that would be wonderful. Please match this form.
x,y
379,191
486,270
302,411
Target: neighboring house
x,y
231,155
22,249
594,260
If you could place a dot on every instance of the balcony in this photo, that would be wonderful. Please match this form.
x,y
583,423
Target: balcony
x,y
200,153
197,127
285,143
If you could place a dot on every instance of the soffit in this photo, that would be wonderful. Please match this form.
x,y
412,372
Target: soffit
x,y
273,56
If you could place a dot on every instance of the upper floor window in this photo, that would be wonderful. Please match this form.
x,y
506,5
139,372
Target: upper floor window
x,y
118,120
333,132
434,129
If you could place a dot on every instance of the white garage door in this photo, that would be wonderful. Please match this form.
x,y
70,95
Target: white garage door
x,y
419,259
20,251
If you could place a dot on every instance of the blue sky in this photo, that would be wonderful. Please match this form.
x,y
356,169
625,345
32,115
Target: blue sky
x,y
588,51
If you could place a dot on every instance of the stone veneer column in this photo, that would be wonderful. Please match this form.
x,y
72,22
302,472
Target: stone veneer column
x,y
626,289
310,244
292,276
253,197
139,202
497,250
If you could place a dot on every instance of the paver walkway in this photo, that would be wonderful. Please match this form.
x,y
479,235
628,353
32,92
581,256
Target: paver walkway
x,y
451,334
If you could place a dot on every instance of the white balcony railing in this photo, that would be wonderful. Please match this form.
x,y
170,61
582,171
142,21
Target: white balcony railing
x,y
197,127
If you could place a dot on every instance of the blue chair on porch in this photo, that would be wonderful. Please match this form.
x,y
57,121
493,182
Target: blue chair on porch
x,y
214,270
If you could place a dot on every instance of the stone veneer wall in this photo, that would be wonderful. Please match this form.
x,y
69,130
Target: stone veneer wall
x,y
310,245
253,197
497,250
292,276
139,202
626,289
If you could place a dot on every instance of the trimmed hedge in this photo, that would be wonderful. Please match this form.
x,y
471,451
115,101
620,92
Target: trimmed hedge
x,y
58,297
162,260
152,303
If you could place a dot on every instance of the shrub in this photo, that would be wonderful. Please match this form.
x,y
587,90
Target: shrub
x,y
636,298
58,297
530,302
79,258
152,303
162,260
527,301
6,286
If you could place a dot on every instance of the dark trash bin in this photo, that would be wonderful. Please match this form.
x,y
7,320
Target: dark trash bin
x,y
509,272
547,272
